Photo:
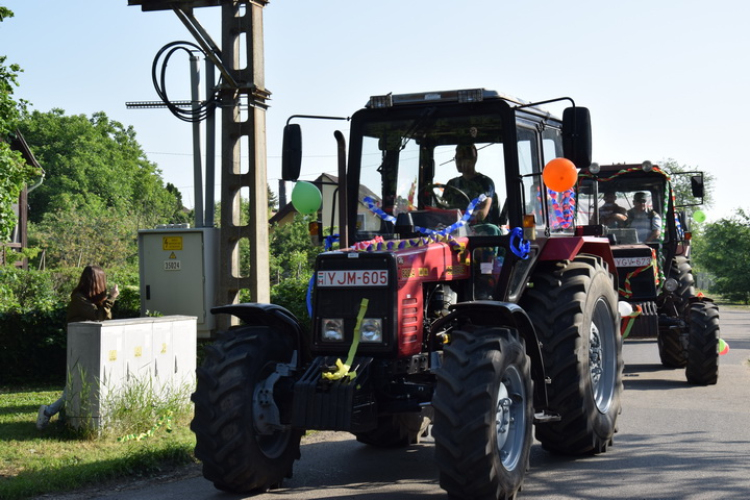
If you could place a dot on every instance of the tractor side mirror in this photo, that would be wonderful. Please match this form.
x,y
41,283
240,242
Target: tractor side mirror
x,y
696,185
577,136
291,154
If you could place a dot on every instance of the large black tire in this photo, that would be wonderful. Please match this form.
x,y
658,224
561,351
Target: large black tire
x,y
396,431
573,306
483,415
671,349
703,346
239,453
682,271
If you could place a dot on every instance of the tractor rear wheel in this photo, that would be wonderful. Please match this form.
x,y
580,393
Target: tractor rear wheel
x,y
573,306
703,345
483,414
241,451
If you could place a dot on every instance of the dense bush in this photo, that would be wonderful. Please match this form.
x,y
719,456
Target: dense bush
x,y
33,307
32,346
292,294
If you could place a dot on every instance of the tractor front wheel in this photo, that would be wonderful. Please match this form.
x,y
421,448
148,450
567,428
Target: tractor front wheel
x,y
241,448
483,414
671,351
573,305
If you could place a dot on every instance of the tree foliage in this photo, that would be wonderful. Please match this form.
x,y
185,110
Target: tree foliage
x,y
292,252
14,172
99,191
94,162
722,251
681,183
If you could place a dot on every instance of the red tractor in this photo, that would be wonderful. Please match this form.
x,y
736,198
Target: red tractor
x,y
634,205
481,313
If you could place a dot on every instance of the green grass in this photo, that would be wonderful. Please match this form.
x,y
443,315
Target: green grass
x,y
731,304
60,458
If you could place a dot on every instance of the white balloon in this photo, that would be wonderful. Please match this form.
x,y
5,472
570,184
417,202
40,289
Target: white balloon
x,y
625,308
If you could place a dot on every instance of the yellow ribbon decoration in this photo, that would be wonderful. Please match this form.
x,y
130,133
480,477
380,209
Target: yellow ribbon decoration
x,y
344,368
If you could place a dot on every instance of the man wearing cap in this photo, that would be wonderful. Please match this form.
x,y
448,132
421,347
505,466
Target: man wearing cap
x,y
646,222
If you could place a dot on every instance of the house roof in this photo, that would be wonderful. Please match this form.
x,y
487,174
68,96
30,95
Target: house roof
x,y
18,143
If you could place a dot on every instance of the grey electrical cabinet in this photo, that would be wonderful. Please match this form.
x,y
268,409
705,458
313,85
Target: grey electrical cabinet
x,y
178,273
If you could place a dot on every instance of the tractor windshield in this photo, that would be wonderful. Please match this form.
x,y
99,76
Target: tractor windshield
x,y
437,171
631,208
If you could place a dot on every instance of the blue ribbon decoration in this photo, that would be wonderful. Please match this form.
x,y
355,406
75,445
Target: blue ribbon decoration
x,y
431,233
377,211
309,295
518,245
329,241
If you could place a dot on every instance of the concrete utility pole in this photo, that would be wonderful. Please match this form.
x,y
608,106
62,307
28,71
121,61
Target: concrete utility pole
x,y
242,85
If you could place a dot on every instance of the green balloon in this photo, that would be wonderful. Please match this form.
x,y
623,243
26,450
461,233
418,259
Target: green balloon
x,y
699,216
306,197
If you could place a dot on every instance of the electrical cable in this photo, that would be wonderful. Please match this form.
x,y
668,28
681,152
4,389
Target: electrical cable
x,y
193,114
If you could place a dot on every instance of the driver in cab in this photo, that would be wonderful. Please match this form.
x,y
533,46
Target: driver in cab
x,y
473,184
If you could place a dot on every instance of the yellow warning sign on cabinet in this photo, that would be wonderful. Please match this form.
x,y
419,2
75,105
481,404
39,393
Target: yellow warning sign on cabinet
x,y
171,242
172,255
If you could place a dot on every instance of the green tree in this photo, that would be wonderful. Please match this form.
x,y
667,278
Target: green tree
x,y
292,252
99,191
84,234
94,162
14,172
722,251
681,183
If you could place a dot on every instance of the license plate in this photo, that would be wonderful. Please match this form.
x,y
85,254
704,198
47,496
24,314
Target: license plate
x,y
353,278
632,261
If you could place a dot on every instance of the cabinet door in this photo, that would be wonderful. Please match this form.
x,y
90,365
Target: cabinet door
x,y
172,274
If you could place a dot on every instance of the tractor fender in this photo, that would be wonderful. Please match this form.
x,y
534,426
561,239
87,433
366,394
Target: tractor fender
x,y
566,248
508,315
274,316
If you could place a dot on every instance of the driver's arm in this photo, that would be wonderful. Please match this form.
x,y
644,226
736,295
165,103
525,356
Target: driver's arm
x,y
482,210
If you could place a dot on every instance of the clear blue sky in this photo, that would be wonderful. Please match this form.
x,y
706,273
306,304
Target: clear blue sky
x,y
663,79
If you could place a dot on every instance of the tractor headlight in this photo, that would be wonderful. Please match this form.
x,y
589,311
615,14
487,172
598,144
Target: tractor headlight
x,y
371,330
671,285
332,329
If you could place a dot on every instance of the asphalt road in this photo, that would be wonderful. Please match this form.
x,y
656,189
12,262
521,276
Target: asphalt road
x,y
675,441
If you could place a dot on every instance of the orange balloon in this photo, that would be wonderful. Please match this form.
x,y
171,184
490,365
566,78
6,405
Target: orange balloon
x,y
560,174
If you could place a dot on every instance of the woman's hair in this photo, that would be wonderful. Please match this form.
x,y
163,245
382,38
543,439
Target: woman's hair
x,y
93,284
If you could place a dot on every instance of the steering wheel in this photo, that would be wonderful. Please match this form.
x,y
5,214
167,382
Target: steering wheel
x,y
430,190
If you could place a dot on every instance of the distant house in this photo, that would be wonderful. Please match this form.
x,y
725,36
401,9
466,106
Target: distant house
x,y
18,237
327,184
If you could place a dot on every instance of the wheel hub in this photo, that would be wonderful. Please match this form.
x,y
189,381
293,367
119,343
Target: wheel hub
x,y
509,419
